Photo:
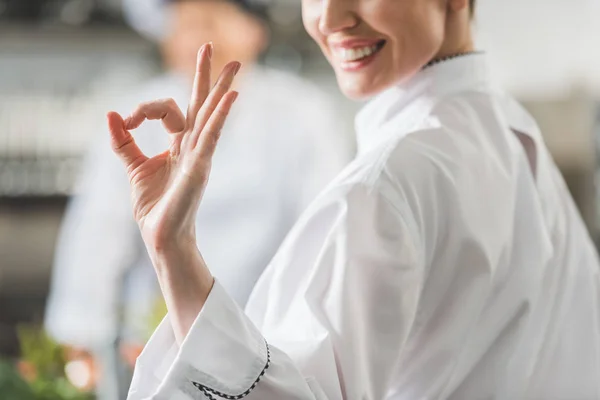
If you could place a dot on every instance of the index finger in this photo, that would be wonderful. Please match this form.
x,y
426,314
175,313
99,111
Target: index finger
x,y
201,83
166,110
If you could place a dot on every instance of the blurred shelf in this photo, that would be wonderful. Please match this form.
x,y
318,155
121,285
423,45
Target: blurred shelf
x,y
38,178
27,37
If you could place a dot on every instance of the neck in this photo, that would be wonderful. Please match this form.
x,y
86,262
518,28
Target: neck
x,y
458,36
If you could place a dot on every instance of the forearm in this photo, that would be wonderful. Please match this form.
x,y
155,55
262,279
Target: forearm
x,y
185,282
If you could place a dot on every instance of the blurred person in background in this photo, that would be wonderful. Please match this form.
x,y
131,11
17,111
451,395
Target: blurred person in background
x,y
272,162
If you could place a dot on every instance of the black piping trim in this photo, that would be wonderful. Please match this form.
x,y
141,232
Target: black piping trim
x,y
210,393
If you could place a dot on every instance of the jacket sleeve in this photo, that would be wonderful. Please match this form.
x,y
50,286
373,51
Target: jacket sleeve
x,y
223,357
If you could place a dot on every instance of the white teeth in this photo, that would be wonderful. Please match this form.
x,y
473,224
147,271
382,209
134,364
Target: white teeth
x,y
356,53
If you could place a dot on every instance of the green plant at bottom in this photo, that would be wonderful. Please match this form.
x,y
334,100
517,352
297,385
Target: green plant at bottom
x,y
43,376
12,386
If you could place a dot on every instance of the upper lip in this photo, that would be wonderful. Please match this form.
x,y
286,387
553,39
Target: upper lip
x,y
353,43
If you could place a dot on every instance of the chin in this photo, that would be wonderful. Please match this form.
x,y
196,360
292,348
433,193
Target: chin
x,y
362,87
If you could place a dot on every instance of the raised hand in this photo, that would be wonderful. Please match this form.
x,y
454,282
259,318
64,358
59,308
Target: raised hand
x,y
167,189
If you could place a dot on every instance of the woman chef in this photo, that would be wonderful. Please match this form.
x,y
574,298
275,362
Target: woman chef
x,y
446,262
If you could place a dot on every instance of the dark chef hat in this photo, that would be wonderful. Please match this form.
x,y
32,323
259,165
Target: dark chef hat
x,y
257,8
147,17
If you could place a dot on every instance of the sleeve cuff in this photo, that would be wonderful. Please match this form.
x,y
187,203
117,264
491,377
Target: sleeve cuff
x,y
223,353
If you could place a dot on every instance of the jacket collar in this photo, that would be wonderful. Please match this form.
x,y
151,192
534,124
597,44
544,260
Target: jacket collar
x,y
405,106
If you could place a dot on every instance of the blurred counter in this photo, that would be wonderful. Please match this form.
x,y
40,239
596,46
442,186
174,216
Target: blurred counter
x,y
28,227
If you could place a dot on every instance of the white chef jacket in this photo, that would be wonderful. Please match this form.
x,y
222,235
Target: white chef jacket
x,y
271,162
447,261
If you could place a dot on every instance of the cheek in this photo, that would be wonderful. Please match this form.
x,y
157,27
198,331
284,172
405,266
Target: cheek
x,y
247,42
311,14
414,40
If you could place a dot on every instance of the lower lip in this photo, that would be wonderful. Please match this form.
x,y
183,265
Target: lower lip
x,y
353,66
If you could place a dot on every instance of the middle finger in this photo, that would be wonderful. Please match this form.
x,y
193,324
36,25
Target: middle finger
x,y
221,87
201,83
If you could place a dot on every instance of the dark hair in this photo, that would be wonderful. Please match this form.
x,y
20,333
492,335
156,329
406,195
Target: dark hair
x,y
472,6
254,8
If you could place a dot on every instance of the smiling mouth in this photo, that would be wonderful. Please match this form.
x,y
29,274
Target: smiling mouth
x,y
350,55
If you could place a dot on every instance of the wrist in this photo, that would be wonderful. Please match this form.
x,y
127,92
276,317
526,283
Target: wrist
x,y
179,254
181,260
185,281
173,243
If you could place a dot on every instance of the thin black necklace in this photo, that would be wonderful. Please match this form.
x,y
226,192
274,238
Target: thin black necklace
x,y
448,58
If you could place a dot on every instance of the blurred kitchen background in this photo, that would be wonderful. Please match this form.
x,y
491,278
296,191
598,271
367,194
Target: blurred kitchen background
x,y
62,62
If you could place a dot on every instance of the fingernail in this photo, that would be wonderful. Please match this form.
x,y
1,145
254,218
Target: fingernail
x,y
210,49
237,68
235,96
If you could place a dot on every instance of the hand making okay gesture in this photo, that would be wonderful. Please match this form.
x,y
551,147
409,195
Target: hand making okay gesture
x,y
167,189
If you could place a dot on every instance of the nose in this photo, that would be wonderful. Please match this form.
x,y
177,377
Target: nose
x,y
337,15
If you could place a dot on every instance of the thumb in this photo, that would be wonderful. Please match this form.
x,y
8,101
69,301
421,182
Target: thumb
x,y
122,141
